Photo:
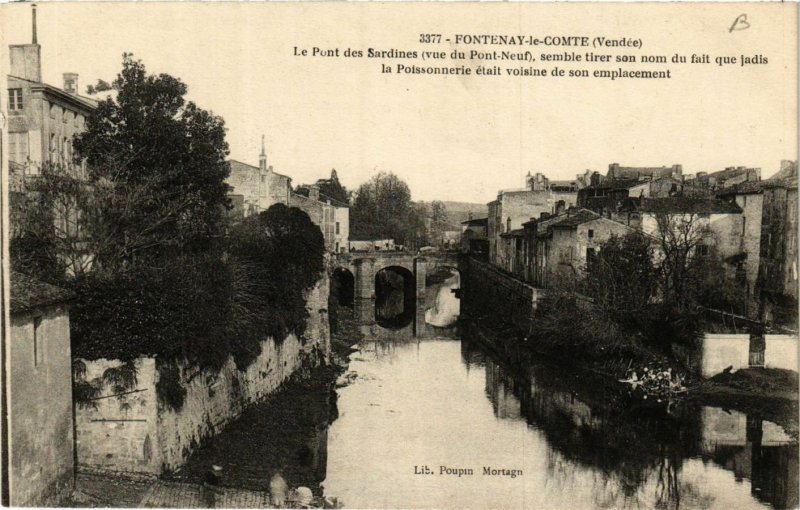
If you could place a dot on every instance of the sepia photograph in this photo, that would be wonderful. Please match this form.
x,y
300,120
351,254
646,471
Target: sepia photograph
x,y
487,255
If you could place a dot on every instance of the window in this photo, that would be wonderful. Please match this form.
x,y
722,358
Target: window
x,y
14,99
591,233
37,341
18,147
744,224
52,148
508,224
337,228
702,250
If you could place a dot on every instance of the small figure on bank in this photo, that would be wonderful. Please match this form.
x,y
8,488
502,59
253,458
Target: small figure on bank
x,y
211,486
278,490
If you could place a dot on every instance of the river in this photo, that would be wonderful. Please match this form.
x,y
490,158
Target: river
x,y
439,422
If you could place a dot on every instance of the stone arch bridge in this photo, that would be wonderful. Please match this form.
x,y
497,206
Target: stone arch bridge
x,y
365,265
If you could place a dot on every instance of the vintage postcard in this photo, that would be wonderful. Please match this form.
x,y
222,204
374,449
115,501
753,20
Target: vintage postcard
x,y
400,255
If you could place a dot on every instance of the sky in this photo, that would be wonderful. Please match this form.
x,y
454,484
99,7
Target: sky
x,y
450,138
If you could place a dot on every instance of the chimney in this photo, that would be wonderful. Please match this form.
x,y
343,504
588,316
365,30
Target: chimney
x,y
71,83
26,59
612,169
678,169
33,25
262,158
313,192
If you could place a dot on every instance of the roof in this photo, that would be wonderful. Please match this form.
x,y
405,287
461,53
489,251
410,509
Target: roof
x,y
688,205
28,293
634,172
304,190
517,232
75,99
731,172
743,188
755,187
570,219
478,222
248,166
573,219
618,184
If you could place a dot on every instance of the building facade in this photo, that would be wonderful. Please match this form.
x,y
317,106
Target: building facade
x,y
42,118
341,218
39,394
256,189
559,248
778,272
513,208
473,235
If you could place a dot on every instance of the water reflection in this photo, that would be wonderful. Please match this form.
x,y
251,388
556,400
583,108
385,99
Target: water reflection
x,y
436,403
647,458
289,434
412,398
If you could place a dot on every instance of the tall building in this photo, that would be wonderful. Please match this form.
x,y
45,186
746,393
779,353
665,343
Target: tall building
x,y
254,189
42,118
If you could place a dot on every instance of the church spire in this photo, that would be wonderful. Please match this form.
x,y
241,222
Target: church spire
x,y
262,159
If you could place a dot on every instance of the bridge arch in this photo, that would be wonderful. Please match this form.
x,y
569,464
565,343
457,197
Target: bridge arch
x,y
343,286
364,266
395,296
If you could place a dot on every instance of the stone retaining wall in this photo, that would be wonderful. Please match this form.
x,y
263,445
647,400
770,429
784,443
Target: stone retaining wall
x,y
488,290
134,433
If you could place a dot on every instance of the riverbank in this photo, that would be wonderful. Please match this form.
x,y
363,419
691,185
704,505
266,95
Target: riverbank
x,y
656,357
769,393
251,449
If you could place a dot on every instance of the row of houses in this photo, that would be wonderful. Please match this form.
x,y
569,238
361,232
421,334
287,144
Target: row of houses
x,y
550,230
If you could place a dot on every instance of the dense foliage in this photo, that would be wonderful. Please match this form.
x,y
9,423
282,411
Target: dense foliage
x,y
171,154
382,208
332,188
279,255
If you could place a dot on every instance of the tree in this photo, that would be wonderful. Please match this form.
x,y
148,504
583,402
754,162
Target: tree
x,y
691,275
150,143
279,256
684,244
439,221
332,188
622,279
382,208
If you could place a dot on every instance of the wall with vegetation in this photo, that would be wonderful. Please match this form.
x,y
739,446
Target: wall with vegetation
x,y
137,431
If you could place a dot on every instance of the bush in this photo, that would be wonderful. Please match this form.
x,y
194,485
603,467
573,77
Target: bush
x,y
279,256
